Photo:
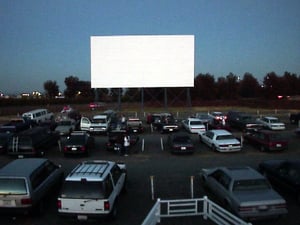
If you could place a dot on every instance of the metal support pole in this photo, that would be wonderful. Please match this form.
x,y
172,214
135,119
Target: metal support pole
x,y
152,187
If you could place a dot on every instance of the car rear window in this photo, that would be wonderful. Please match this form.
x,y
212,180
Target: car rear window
x,y
13,186
75,139
225,137
82,189
253,184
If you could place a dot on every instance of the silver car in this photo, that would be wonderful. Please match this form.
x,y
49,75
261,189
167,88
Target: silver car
x,y
244,192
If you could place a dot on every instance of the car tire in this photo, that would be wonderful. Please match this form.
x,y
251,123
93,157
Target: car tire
x,y
262,148
114,211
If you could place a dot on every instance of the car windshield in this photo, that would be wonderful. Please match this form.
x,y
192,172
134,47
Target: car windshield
x,y
12,186
252,184
225,137
83,189
99,120
65,123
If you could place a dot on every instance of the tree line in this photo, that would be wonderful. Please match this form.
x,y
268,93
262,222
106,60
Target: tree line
x,y
206,87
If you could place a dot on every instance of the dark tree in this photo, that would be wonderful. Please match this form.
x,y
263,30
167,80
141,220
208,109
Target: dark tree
x,y
249,87
51,89
204,87
271,85
71,83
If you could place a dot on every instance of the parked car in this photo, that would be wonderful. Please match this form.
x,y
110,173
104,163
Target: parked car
x,y
266,140
163,122
38,115
65,126
242,121
217,115
180,143
244,192
204,117
193,125
100,123
116,139
134,125
79,142
220,140
272,123
168,123
297,131
32,142
4,140
294,118
283,174
92,190
16,125
26,183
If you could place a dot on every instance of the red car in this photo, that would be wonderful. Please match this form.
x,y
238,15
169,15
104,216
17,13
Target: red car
x,y
266,140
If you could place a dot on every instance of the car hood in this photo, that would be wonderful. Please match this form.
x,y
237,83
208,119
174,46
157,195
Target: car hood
x,y
258,197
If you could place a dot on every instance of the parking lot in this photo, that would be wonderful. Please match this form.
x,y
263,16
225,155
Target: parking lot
x,y
172,175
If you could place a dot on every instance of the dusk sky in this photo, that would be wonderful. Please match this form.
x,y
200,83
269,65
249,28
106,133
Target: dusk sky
x,y
44,40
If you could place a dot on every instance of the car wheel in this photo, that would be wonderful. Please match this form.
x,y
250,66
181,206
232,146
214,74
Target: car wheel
x,y
200,139
214,148
262,148
114,210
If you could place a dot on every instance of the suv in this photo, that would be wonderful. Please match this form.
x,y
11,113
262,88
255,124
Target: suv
x,y
92,190
26,183
32,142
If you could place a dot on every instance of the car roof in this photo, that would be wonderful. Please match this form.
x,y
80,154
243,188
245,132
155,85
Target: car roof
x,y
220,132
194,119
21,167
95,170
270,117
242,173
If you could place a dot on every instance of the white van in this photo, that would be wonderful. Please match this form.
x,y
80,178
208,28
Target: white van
x,y
39,115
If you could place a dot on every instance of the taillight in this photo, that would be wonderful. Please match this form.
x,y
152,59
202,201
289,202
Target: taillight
x,y
82,148
59,204
65,149
26,201
106,205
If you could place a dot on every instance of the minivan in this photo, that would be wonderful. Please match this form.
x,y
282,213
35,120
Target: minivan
x,y
39,115
25,184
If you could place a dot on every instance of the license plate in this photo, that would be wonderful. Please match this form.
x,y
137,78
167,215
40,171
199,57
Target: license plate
x,y
171,129
82,217
74,149
20,156
278,145
7,203
183,148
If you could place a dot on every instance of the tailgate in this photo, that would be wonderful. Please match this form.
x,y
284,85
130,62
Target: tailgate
x,y
82,206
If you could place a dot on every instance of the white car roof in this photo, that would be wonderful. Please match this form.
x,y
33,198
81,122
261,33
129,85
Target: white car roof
x,y
220,132
271,117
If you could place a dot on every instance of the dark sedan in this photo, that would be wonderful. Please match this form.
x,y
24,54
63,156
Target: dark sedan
x,y
283,174
180,143
78,142
266,140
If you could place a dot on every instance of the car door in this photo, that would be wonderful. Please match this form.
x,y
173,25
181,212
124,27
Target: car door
x,y
219,185
85,123
207,138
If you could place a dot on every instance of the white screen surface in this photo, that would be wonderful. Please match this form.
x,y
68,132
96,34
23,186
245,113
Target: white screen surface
x,y
142,61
